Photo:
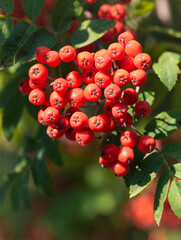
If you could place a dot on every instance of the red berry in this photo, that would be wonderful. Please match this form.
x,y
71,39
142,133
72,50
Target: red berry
x,y
118,110
105,164
129,96
84,136
24,86
146,144
110,152
108,107
118,11
119,27
78,120
120,169
70,134
127,63
67,53
142,109
133,48
76,97
38,73
132,32
125,37
110,128
37,97
57,100
91,1
51,115
103,63
70,111
96,124
85,60
60,85
41,118
126,121
52,59
106,118
63,123
88,75
92,92
138,77
112,92
105,11
40,54
40,85
142,61
126,155
54,132
121,77
103,79
116,51
101,53
74,79
129,139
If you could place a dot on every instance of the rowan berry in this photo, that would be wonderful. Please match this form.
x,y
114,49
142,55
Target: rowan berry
x,y
105,164
109,35
76,97
63,123
106,118
105,11
119,27
57,100
38,73
120,169
103,62
142,109
70,134
67,53
118,110
142,61
74,79
133,48
129,96
60,85
84,136
96,124
132,32
103,79
118,11
126,155
127,63
121,77
129,139
52,59
85,60
125,37
108,106
88,75
40,54
70,111
112,92
146,144
110,128
109,152
78,120
24,86
101,53
91,1
54,132
116,51
51,115
41,118
40,85
37,97
92,92
138,77
125,121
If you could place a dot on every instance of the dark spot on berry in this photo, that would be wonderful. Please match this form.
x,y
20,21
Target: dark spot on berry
x,y
89,75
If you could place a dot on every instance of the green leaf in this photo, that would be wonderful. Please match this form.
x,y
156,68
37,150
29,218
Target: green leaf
x,y
17,39
7,6
22,163
145,6
6,27
169,31
168,73
89,31
148,96
4,186
146,172
30,144
33,8
15,192
172,149
113,138
41,37
25,194
174,197
164,124
170,57
177,170
160,195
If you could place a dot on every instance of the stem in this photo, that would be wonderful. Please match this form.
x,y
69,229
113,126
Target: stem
x,y
136,130
50,78
137,89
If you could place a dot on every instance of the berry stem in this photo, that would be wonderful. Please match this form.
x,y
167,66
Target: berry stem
x,y
136,130
137,89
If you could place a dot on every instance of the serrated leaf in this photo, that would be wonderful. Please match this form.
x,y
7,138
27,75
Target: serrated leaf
x,y
168,73
172,149
17,39
164,124
89,31
41,37
174,197
145,6
164,30
7,6
160,195
6,27
33,8
177,170
170,57
148,96
146,172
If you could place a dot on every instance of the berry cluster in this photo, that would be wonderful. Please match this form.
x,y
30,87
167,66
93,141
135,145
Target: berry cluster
x,y
98,80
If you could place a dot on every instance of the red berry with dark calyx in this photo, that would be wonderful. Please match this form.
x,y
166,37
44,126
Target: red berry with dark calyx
x,y
106,118
54,132
129,139
109,152
35,85
78,120
116,51
103,62
76,97
108,107
104,11
63,123
112,92
110,128
88,75
127,63
85,60
92,92
52,59
60,85
125,37
96,124
67,53
121,77
126,155
51,115
142,61
38,73
37,97
58,100
84,136
126,121
118,11
138,77
103,79
40,54
41,118
146,144
120,169
129,96
105,164
24,86
118,110
142,109
74,79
